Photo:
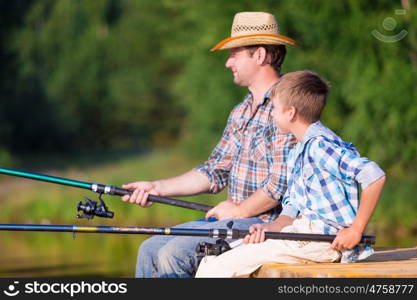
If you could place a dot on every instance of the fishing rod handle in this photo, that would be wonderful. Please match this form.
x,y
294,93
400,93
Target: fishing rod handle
x,y
366,239
165,200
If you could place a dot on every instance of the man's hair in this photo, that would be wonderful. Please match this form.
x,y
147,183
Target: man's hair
x,y
305,91
275,55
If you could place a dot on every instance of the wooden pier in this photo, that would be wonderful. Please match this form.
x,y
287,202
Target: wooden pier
x,y
386,262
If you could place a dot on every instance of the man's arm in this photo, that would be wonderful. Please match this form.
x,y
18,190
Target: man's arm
x,y
349,237
254,205
271,190
190,183
211,176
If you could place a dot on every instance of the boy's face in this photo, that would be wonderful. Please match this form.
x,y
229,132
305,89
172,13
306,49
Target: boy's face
x,y
282,115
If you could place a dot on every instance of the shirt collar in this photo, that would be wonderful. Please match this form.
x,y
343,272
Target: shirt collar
x,y
314,130
318,129
249,98
266,99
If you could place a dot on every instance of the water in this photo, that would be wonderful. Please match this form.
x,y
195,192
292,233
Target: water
x,y
42,254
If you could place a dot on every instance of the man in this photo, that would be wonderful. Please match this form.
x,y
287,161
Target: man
x,y
249,158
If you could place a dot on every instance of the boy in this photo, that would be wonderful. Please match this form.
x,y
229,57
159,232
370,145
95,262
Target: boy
x,y
322,194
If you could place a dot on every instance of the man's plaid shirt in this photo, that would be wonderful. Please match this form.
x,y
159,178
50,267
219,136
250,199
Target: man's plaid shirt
x,y
251,155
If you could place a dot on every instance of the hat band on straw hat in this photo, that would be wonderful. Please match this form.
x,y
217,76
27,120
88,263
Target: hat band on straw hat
x,y
254,39
254,28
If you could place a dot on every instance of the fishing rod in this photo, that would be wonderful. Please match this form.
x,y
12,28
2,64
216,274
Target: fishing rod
x,y
214,233
202,249
91,208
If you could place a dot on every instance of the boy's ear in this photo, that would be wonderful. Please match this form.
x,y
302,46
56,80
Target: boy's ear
x,y
292,111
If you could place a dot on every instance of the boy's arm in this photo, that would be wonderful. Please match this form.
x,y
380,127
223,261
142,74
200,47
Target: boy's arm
x,y
349,237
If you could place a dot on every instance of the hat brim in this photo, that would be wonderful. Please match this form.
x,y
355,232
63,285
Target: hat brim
x,y
254,39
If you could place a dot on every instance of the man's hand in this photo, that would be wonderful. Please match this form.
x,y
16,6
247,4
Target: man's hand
x,y
142,189
346,238
226,210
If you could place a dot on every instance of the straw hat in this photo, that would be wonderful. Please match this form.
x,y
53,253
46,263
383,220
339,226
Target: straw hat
x,y
254,28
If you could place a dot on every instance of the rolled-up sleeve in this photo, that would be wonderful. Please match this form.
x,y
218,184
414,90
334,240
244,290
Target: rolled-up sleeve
x,y
275,184
219,163
288,209
370,173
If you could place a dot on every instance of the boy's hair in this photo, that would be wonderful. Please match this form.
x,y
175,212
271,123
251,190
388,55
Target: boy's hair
x,y
304,90
275,55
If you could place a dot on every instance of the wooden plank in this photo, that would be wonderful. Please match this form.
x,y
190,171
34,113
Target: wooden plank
x,y
386,262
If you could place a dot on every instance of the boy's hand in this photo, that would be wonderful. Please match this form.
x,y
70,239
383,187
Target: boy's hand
x,y
257,231
256,234
346,238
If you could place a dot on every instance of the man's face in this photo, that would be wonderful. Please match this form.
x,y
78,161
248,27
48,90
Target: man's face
x,y
243,66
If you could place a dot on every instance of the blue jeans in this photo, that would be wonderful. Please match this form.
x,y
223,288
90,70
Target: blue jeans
x,y
176,256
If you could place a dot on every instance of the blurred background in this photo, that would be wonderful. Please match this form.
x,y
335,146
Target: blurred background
x,y
114,91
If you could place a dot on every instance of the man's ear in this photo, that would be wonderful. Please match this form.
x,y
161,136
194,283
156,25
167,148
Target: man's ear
x,y
261,55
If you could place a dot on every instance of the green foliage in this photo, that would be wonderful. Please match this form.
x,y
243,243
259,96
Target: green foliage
x,y
98,78
5,157
373,82
121,74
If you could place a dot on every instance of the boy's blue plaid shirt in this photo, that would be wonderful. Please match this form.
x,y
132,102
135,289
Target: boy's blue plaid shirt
x,y
323,177
251,155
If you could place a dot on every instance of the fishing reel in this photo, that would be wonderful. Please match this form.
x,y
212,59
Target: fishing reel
x,y
204,249
221,246
90,209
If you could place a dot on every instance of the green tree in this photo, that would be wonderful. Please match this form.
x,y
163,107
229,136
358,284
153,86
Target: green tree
x,y
99,78
108,73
